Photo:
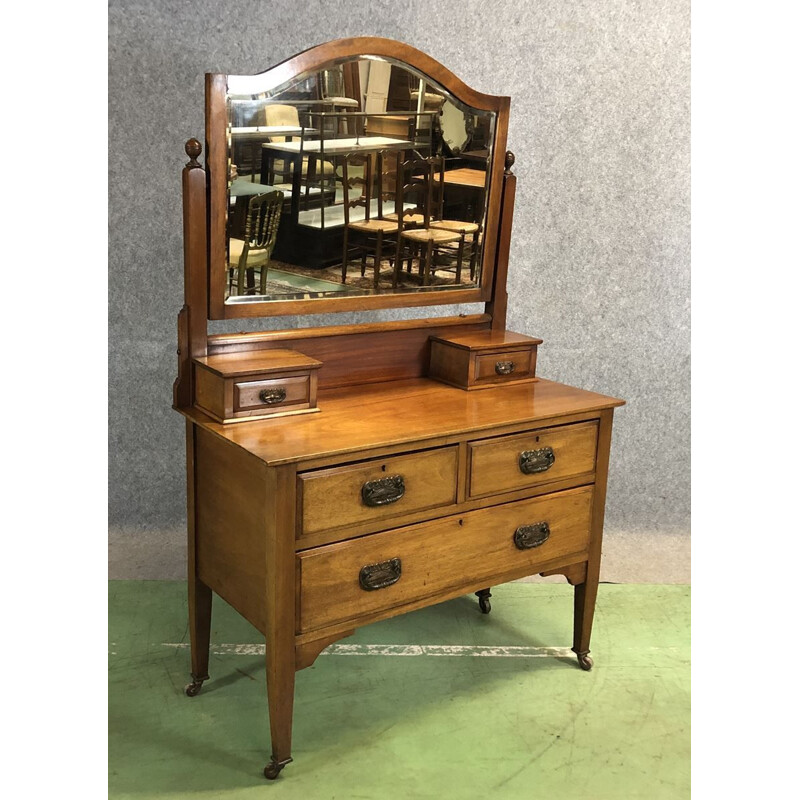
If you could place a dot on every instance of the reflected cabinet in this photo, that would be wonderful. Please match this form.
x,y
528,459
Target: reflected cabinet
x,y
341,475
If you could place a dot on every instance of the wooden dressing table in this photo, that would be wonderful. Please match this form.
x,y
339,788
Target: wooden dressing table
x,y
401,491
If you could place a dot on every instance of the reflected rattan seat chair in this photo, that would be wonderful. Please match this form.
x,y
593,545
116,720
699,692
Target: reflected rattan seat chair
x,y
366,237
255,250
416,235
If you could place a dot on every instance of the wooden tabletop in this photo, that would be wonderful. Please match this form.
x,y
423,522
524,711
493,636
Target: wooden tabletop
x,y
358,418
352,144
465,176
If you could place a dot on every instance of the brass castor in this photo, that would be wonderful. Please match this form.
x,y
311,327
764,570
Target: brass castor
x,y
483,600
193,689
584,662
273,769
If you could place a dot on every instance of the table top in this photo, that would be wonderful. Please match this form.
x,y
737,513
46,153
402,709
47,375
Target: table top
x,y
243,187
465,176
271,130
361,144
356,418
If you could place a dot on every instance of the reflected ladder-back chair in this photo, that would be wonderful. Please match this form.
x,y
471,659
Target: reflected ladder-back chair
x,y
260,234
416,235
469,231
365,237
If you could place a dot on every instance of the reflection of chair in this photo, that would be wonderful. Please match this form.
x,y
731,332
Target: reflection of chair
x,y
468,248
365,237
415,178
276,115
255,250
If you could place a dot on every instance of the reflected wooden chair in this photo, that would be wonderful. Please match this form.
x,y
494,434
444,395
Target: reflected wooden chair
x,y
315,172
366,237
254,252
416,236
469,231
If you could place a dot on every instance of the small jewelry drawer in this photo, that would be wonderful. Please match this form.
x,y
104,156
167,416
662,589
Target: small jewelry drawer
x,y
510,463
235,387
276,393
369,493
483,359
345,581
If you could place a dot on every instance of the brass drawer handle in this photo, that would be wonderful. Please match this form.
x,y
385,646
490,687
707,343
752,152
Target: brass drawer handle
x,y
383,491
527,537
533,461
379,576
504,367
272,396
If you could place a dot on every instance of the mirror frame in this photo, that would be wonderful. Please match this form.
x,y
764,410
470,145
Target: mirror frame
x,y
312,60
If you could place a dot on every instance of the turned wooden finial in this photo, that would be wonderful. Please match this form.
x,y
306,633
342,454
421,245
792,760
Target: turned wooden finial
x,y
510,159
193,149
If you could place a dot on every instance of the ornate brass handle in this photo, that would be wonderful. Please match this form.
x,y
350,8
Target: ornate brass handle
x,y
383,491
272,396
379,576
504,367
533,461
526,537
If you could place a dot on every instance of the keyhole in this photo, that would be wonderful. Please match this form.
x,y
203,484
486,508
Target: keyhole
x,y
537,438
461,522
383,467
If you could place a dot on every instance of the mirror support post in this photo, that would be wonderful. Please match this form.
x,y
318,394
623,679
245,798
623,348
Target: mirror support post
x,y
498,305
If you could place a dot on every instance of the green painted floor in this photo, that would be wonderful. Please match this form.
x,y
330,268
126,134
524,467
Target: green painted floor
x,y
523,724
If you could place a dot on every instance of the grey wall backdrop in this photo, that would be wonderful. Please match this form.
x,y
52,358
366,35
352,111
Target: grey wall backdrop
x,y
600,256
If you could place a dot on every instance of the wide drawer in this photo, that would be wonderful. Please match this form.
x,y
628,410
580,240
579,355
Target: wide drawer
x,y
344,581
509,463
376,490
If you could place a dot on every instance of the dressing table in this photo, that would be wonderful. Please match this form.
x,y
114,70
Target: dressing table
x,y
341,475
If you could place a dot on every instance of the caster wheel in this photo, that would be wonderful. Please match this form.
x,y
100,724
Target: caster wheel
x,y
193,689
584,662
273,769
483,600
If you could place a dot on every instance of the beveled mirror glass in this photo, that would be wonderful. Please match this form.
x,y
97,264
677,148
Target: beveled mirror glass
x,y
363,177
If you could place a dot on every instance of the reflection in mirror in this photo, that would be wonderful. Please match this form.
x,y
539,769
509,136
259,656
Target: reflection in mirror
x,y
361,178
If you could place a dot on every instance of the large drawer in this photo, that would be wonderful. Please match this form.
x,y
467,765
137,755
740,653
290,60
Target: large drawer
x,y
376,490
509,463
344,581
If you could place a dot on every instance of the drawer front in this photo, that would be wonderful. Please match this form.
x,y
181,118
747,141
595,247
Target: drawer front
x,y
529,459
276,393
503,366
377,490
344,581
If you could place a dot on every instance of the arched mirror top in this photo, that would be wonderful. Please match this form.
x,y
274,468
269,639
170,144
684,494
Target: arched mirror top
x,y
359,174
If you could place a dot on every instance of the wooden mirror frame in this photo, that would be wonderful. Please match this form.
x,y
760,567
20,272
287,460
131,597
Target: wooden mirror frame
x,y
309,61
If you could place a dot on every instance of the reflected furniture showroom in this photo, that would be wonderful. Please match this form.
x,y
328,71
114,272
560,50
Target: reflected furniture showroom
x,y
341,475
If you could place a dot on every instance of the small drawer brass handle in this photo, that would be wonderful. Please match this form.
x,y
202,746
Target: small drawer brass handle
x,y
272,396
533,461
383,491
379,576
504,367
527,537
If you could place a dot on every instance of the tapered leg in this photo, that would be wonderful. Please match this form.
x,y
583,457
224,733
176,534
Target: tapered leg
x,y
280,621
585,598
280,696
199,593
199,632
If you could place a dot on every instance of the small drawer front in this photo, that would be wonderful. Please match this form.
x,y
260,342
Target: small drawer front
x,y
529,459
344,581
497,367
332,499
277,393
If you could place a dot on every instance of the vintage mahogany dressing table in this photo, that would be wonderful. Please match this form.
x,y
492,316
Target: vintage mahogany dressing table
x,y
337,476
